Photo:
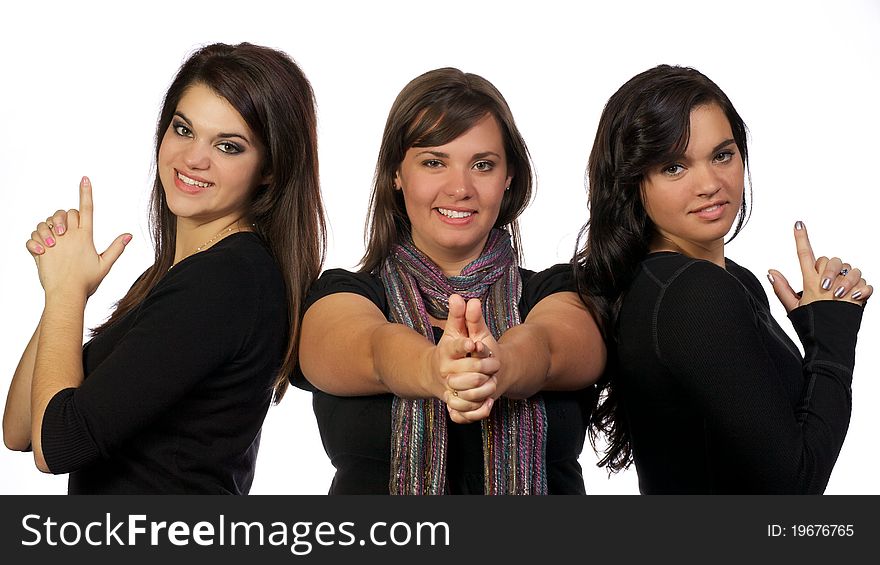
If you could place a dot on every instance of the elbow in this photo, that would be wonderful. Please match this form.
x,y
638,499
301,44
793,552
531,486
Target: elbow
x,y
40,462
15,439
598,364
14,443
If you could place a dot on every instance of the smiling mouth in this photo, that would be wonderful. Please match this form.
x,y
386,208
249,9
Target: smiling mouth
x,y
192,182
709,209
456,214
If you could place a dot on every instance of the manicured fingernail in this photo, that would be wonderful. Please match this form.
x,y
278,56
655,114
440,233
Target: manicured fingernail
x,y
126,239
770,278
826,284
798,225
856,295
86,181
59,229
50,241
839,292
39,249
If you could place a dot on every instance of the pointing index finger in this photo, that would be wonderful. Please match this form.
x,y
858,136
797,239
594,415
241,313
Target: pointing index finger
x,y
804,249
85,203
455,324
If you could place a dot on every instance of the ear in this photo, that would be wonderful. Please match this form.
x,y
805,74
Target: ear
x,y
397,183
508,181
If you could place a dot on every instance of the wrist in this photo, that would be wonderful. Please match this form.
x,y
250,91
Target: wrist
x,y
64,297
523,372
505,377
430,379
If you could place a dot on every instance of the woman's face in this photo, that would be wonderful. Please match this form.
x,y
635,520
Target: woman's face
x,y
453,193
694,200
209,160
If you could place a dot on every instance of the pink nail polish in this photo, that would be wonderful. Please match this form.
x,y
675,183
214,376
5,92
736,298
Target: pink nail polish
x,y
50,241
126,239
39,249
59,229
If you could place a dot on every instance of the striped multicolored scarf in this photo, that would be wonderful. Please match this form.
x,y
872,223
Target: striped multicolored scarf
x,y
514,435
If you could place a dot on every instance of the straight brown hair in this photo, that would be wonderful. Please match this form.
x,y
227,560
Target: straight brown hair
x,y
277,102
434,109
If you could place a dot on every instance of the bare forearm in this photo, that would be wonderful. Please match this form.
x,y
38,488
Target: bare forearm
x,y
58,362
559,347
527,364
402,362
17,416
347,348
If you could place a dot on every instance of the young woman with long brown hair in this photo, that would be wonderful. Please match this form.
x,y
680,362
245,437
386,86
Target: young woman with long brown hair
x,y
170,393
442,366
705,391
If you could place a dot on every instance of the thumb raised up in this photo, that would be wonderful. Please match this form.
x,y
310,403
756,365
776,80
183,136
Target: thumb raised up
x,y
455,320
786,295
112,253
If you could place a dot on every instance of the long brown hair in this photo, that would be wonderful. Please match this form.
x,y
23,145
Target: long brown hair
x,y
276,101
644,124
434,109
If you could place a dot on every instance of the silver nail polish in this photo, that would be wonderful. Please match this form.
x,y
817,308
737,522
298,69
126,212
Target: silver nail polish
x,y
798,225
826,284
839,292
770,278
856,295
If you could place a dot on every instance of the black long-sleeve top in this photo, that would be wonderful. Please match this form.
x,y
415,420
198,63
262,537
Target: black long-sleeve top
x,y
175,391
718,398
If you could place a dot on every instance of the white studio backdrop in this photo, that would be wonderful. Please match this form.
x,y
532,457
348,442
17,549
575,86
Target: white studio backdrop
x,y
82,84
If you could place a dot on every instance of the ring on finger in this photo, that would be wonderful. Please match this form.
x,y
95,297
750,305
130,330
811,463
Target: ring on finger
x,y
454,392
843,272
50,224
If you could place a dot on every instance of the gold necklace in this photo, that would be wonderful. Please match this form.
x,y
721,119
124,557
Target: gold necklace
x,y
222,233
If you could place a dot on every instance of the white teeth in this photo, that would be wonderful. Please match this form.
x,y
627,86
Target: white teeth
x,y
192,182
454,213
710,208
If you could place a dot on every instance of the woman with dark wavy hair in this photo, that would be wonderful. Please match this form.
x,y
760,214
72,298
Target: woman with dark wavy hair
x,y
427,364
704,390
170,394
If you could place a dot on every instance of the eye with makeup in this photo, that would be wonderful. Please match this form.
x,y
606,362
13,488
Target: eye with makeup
x,y
229,147
181,129
673,170
723,156
484,166
432,163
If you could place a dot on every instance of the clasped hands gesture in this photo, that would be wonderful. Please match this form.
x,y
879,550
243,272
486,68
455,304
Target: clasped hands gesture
x,y
64,249
467,361
823,278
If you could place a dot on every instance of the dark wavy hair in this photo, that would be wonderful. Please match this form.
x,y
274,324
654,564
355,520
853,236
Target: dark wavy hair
x,y
645,124
276,101
434,109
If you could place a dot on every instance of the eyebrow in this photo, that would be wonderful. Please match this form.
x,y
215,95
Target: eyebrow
x,y
723,144
482,155
221,134
485,154
434,153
